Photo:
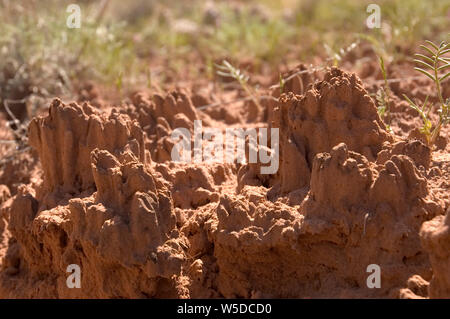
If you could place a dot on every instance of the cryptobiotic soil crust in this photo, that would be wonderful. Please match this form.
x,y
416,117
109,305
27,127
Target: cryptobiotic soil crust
x,y
105,195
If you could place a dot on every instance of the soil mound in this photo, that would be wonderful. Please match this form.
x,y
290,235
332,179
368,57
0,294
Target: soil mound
x,y
355,214
348,195
435,235
65,139
335,110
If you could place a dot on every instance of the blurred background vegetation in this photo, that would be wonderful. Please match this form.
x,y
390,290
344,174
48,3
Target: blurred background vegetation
x,y
136,43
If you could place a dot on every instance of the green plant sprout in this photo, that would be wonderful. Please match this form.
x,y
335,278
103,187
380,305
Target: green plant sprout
x,y
431,65
149,78
336,57
282,84
226,69
383,98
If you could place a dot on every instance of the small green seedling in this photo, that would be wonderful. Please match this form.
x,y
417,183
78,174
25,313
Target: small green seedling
x,y
149,78
336,57
433,64
282,84
424,112
383,98
226,69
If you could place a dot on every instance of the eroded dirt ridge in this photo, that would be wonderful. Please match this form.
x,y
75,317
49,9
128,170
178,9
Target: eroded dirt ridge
x,y
109,199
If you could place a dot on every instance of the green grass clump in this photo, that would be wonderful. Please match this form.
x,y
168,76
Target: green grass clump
x,y
433,64
43,58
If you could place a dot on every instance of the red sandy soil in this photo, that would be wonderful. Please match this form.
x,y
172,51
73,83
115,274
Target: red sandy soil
x,y
100,190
